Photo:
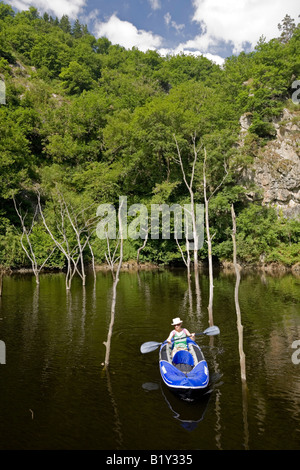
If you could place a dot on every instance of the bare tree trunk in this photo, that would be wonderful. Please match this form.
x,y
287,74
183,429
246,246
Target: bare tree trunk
x,y
209,246
79,231
191,191
240,333
198,294
93,259
141,248
209,237
65,251
187,260
30,252
73,255
107,343
236,298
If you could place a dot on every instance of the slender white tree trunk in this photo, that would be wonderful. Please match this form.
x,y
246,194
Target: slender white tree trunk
x,y
30,251
192,214
107,343
236,298
209,246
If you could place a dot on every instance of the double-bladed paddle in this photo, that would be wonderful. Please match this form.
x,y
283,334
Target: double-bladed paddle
x,y
152,345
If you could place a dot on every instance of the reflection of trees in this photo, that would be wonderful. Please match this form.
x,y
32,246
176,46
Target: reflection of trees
x,y
282,375
1,281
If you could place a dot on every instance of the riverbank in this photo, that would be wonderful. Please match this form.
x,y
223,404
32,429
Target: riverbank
x,y
226,266
271,268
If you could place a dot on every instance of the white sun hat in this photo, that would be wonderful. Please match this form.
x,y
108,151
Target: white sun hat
x,y
176,321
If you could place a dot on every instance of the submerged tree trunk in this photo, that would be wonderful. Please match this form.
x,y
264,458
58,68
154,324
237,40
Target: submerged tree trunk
x,y
187,259
240,334
30,251
209,246
107,343
236,298
208,235
73,254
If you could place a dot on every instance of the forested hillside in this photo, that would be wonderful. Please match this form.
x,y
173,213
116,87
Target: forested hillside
x,y
86,121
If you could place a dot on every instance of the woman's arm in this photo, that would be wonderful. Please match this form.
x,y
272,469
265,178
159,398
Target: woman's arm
x,y
170,336
189,334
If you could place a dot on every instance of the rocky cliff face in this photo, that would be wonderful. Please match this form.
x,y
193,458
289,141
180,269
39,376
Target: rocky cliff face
x,y
276,170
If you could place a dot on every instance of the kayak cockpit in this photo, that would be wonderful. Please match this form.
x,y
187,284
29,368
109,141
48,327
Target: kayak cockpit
x,y
183,359
185,369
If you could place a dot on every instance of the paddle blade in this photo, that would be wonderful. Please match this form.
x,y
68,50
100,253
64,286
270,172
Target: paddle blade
x,y
149,346
211,331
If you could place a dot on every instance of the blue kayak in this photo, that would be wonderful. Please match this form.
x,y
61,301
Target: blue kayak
x,y
187,371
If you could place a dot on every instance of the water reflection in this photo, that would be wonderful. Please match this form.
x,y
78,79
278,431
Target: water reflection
x,y
242,355
54,394
116,417
190,413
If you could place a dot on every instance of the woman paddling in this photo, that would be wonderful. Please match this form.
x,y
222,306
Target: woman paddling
x,y
179,335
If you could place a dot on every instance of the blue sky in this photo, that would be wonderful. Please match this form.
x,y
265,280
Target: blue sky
x,y
214,28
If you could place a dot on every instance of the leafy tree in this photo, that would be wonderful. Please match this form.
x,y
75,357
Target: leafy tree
x,y
76,78
65,24
6,11
22,38
102,45
15,153
73,133
50,53
77,29
287,28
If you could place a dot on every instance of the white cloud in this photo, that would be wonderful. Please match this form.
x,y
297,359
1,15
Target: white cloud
x,y
215,58
72,8
126,34
167,18
170,22
155,4
239,22
212,57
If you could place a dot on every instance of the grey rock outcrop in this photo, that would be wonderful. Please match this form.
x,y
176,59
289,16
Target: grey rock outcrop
x,y
276,170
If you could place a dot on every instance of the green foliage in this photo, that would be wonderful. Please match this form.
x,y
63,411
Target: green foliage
x,y
76,78
96,121
15,152
263,236
6,12
50,53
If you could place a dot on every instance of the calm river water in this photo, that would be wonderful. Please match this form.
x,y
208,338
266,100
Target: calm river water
x,y
55,395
